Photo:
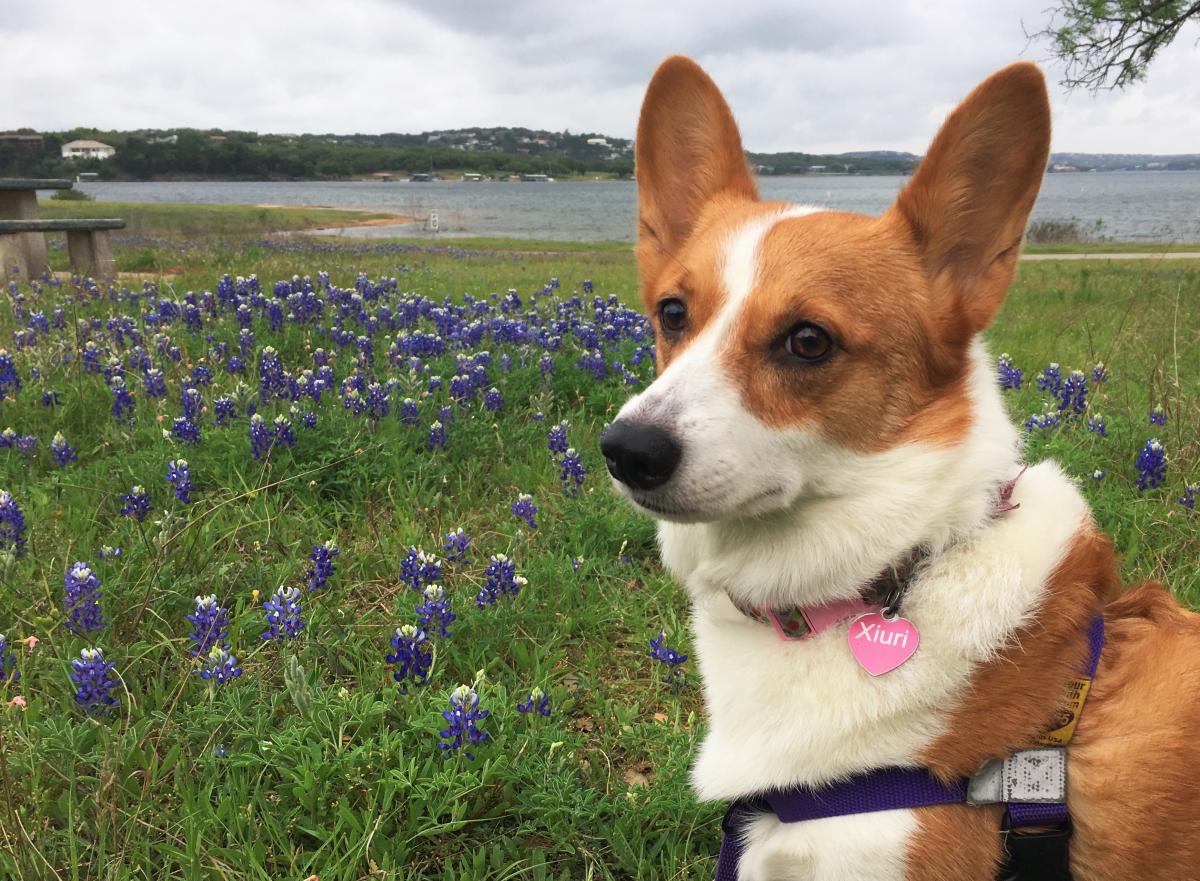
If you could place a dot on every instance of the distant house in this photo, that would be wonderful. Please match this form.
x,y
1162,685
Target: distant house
x,y
87,150
597,142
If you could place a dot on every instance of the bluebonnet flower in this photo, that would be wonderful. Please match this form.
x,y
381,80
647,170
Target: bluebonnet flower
x,y
556,438
224,409
587,285
1158,416
669,657
9,674
1097,425
437,436
418,569
412,655
1072,394
12,525
525,509
185,430
51,398
456,546
108,552
271,378
573,471
1048,420
61,450
10,380
95,680
321,565
1099,374
283,611
1050,379
8,438
220,665
283,432
377,403
493,401
576,563
446,414
546,365
27,445
408,412
81,599
180,479
500,579
154,384
1098,474
1151,465
1010,377
537,702
122,406
210,623
1188,500
201,375
436,610
192,403
262,438
136,504
462,722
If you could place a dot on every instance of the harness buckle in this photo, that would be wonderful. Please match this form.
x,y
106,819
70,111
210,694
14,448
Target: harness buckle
x,y
1036,856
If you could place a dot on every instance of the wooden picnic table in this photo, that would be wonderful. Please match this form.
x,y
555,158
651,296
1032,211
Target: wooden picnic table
x,y
23,235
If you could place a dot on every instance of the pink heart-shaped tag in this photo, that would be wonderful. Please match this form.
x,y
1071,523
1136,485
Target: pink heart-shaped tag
x,y
882,644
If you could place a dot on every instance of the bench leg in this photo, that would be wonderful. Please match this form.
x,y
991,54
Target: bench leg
x,y
25,251
91,253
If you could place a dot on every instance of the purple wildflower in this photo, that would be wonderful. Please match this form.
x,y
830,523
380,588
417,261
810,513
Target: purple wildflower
x,y
210,622
456,546
95,680
556,438
412,655
1097,425
462,722
283,611
537,702
1099,374
1010,377
493,401
321,565
573,471
437,437
1188,500
61,450
186,431
180,479
220,665
262,438
81,599
1158,416
670,657
418,569
500,579
525,509
9,674
436,611
12,525
1151,465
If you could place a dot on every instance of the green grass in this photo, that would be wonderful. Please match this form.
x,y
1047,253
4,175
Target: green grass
x,y
1103,247
206,221
339,775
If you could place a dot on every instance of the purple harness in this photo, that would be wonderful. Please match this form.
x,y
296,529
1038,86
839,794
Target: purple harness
x,y
885,789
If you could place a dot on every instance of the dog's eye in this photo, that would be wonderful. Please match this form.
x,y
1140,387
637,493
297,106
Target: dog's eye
x,y
809,343
672,314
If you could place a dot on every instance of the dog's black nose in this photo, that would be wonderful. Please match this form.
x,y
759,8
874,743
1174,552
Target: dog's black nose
x,y
639,455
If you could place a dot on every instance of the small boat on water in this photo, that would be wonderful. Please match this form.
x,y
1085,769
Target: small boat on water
x,y
422,177
537,179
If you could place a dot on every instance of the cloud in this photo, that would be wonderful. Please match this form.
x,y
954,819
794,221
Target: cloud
x,y
860,74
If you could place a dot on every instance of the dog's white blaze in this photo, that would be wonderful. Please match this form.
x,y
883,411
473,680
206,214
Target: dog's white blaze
x,y
830,849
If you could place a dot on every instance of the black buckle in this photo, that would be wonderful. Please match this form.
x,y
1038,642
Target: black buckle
x,y
1036,856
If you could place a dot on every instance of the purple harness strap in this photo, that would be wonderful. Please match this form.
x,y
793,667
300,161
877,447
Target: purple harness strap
x,y
885,789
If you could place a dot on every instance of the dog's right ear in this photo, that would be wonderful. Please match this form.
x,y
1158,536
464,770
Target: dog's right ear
x,y
688,152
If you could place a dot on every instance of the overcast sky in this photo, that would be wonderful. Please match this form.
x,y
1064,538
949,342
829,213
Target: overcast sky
x,y
800,75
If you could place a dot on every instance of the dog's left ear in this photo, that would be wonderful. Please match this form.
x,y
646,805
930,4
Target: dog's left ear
x,y
968,202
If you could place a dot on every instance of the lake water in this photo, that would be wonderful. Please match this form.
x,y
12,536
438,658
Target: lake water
x,y
1131,206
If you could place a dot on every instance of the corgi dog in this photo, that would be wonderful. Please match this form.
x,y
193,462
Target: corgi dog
x,y
824,405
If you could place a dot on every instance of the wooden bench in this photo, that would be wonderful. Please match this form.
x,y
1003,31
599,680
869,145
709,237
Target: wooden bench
x,y
87,243
23,239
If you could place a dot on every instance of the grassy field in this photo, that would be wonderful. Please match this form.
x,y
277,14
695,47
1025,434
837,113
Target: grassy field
x,y
208,222
319,765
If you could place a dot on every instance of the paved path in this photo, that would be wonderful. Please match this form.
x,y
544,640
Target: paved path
x,y
1132,255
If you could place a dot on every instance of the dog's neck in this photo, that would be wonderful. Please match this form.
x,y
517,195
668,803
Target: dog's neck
x,y
860,514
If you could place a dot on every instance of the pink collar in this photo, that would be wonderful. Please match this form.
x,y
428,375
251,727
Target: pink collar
x,y
803,622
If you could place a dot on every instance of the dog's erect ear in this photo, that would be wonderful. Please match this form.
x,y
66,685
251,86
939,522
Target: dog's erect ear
x,y
968,202
688,152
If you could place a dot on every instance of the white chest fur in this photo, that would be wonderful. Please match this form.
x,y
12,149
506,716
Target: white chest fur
x,y
784,713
